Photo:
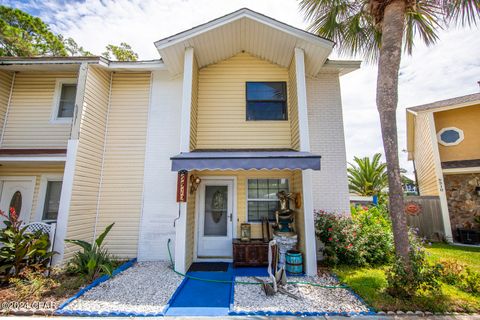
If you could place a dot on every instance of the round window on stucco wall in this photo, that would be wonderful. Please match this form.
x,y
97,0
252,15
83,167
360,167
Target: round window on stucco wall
x,y
450,136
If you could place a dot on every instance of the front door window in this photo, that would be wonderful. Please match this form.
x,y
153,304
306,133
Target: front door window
x,y
216,198
16,202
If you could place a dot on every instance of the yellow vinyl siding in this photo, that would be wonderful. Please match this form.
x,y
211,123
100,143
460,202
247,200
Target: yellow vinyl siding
x,y
6,79
88,166
194,108
123,168
466,119
293,106
221,122
33,169
29,116
423,155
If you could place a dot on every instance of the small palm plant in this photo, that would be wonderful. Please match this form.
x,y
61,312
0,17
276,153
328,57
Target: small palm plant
x,y
367,177
94,259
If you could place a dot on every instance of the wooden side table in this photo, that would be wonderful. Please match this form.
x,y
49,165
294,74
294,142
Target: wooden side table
x,y
250,253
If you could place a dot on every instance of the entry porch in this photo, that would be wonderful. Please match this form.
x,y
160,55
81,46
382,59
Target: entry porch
x,y
224,192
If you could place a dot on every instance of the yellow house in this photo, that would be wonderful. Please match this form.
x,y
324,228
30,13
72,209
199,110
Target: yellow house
x,y
244,105
443,141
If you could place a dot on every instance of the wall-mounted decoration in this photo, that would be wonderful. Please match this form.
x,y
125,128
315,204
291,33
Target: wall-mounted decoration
x,y
245,232
182,186
413,208
194,182
298,200
450,136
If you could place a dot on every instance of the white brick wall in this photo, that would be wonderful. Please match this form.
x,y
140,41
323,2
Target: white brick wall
x,y
327,138
163,141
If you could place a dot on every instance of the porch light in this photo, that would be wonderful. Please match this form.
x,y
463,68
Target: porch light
x,y
194,182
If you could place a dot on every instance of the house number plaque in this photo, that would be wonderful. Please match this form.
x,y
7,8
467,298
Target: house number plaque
x,y
182,182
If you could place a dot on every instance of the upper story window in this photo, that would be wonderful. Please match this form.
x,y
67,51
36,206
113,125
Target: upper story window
x,y
64,100
450,136
266,101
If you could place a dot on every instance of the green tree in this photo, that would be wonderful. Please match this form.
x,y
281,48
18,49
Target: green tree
x,y
123,52
377,29
367,177
73,48
24,35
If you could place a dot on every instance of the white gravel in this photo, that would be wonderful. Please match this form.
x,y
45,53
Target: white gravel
x,y
313,299
145,287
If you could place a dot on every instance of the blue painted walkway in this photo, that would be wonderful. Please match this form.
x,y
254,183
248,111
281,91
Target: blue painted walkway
x,y
202,298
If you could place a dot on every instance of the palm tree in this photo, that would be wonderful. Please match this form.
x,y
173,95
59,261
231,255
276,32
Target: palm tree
x,y
378,29
367,177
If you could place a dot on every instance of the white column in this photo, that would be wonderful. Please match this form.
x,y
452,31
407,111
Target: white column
x,y
447,228
77,115
69,171
310,243
181,223
302,100
65,198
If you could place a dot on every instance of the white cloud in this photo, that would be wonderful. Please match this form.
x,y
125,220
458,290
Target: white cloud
x,y
450,68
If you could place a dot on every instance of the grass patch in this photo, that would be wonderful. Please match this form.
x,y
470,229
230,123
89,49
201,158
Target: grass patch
x,y
370,283
469,256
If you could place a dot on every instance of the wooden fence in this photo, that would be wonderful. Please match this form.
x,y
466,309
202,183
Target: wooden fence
x,y
429,222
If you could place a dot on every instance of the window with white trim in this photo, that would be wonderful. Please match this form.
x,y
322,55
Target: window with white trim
x,y
64,101
450,136
52,200
262,198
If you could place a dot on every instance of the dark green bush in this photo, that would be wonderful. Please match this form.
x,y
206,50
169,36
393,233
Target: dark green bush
x,y
21,249
93,260
422,276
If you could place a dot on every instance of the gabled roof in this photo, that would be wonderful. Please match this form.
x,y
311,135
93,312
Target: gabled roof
x,y
469,99
452,103
245,30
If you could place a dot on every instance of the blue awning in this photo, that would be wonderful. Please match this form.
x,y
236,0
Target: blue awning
x,y
245,160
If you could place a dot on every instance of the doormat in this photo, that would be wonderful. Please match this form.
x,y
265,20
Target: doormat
x,y
208,267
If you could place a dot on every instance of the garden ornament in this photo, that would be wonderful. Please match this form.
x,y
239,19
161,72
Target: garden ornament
x,y
285,217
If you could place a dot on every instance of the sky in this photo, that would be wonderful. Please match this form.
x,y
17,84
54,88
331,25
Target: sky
x,y
448,69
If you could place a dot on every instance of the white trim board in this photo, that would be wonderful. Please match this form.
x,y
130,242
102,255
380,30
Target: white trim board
x,y
461,170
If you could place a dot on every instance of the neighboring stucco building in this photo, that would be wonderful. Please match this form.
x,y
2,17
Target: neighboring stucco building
x,y
244,102
443,140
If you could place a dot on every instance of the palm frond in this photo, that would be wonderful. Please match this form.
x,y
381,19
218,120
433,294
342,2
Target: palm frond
x,y
461,12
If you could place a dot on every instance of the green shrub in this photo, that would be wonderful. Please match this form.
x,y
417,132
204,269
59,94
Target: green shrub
x,y
422,276
460,276
21,249
93,260
363,239
375,233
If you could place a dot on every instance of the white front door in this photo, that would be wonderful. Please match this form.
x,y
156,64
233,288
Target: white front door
x,y
18,194
215,216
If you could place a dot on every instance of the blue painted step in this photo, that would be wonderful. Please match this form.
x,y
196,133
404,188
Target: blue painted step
x,y
202,298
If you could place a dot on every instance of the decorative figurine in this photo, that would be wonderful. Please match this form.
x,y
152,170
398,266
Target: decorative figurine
x,y
285,217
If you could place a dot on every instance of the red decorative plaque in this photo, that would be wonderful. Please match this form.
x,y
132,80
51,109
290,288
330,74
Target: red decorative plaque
x,y
413,208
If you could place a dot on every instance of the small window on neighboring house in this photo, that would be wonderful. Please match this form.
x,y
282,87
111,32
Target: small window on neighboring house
x,y
262,198
65,93
266,101
450,136
52,200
